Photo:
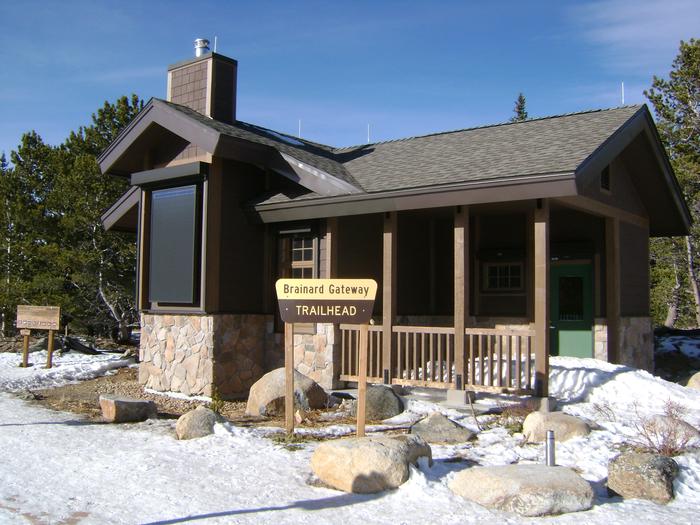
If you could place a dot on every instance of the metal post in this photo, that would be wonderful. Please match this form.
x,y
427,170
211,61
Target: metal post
x,y
549,449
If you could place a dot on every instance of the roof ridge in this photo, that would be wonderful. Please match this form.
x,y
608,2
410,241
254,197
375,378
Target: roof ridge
x,y
485,126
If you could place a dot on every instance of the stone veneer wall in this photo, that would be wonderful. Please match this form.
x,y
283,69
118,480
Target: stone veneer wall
x,y
192,354
318,356
636,342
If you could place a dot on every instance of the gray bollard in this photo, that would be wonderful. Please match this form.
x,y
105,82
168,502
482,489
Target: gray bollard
x,y
549,449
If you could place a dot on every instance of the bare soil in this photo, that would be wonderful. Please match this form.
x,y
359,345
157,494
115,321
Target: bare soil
x,y
83,398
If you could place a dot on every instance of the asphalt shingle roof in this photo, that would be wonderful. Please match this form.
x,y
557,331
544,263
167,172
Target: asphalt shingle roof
x,y
317,155
557,144
542,146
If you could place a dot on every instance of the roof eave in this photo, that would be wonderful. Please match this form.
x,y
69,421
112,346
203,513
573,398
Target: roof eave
x,y
641,121
479,192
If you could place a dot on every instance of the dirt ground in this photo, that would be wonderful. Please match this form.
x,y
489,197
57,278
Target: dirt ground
x,y
83,398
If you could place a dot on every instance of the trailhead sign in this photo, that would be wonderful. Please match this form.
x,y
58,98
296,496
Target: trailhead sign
x,y
326,300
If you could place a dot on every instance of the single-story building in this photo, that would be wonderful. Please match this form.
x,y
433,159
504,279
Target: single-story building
x,y
525,239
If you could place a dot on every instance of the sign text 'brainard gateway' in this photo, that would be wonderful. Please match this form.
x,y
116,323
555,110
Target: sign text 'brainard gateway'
x,y
326,300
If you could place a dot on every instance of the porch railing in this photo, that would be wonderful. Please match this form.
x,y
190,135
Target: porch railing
x,y
424,356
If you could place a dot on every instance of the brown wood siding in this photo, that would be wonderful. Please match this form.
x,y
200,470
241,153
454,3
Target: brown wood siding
x,y
501,238
360,250
634,271
223,95
623,193
242,242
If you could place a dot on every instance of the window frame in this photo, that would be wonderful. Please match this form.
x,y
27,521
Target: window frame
x,y
286,265
487,265
197,252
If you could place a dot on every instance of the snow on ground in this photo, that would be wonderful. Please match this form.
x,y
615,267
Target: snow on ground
x,y
58,467
68,368
690,346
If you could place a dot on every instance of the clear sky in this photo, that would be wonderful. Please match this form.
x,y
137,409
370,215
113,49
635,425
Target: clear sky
x,y
406,68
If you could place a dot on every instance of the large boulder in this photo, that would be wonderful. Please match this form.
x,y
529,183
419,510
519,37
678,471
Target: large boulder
x,y
117,409
196,423
694,381
565,427
643,476
368,464
381,403
266,396
529,490
437,428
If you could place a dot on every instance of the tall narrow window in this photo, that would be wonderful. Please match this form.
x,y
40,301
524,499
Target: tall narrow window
x,y
174,253
605,178
298,259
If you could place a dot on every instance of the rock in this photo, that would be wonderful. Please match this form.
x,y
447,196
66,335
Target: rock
x,y
529,490
196,423
381,403
266,396
642,475
564,426
368,464
437,428
117,409
694,381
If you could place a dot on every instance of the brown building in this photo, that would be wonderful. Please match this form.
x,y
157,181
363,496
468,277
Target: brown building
x,y
529,239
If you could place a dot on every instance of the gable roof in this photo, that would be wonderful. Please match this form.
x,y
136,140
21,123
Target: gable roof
x,y
535,147
536,158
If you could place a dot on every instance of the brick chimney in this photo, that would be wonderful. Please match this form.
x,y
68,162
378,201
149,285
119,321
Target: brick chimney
x,y
206,83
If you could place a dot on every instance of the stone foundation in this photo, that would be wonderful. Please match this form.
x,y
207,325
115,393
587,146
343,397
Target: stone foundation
x,y
637,343
193,354
600,339
318,356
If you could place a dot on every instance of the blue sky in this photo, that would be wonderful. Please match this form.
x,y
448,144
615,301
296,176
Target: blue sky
x,y
406,68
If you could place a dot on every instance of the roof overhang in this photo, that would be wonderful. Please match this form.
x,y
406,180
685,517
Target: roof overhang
x,y
639,144
490,191
123,214
159,123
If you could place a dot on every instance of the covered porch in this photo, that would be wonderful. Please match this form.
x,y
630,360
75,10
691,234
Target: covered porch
x,y
482,272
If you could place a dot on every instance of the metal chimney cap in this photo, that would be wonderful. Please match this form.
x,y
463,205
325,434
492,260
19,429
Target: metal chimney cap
x,y
201,46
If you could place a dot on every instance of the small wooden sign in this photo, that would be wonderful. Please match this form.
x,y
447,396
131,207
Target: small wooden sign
x,y
326,300
38,317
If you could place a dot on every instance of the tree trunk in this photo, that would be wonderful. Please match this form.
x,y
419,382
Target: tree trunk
x,y
672,313
693,280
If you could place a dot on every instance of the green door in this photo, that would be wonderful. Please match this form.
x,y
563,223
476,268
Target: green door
x,y
571,310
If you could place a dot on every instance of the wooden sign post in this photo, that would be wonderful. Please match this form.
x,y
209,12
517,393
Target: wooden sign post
x,y
37,318
325,301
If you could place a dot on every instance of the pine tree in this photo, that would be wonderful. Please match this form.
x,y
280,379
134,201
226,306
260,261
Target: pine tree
x,y
98,268
54,248
676,103
519,109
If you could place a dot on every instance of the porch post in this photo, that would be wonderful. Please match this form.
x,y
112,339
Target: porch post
x,y
461,288
331,255
388,292
541,296
612,286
